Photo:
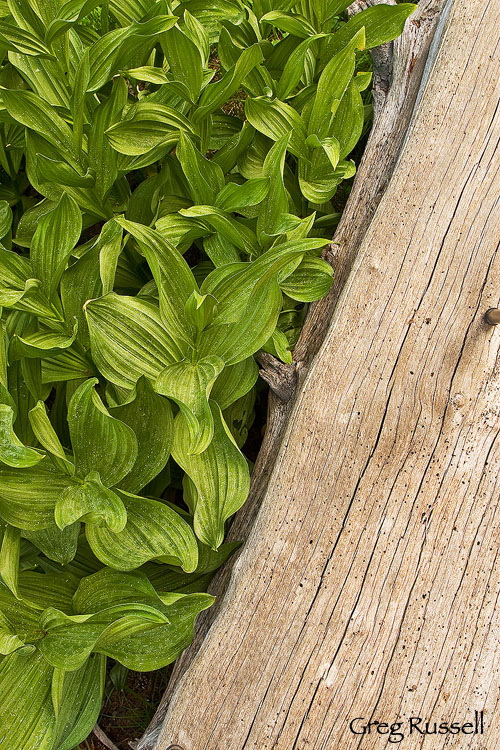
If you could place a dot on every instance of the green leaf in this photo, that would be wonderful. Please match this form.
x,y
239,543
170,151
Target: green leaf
x,y
47,437
184,59
215,94
100,442
26,712
234,382
174,280
41,344
12,451
128,339
150,416
5,219
149,125
293,24
332,84
28,496
205,178
117,47
68,14
22,41
277,119
90,502
347,124
382,23
276,202
55,237
189,385
233,197
70,639
160,645
77,698
293,69
35,113
56,544
9,558
153,530
310,281
220,474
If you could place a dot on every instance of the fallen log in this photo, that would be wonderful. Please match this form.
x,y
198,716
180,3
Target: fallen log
x,y
368,583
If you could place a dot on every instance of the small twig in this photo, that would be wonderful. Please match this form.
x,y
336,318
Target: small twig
x,y
281,378
103,738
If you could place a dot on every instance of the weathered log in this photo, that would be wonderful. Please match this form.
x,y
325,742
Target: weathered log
x,y
386,473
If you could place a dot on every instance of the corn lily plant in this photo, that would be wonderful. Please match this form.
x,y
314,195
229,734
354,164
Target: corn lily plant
x,y
167,171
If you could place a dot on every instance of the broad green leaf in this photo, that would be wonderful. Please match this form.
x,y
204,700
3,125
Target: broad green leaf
x,y
215,94
103,159
41,344
233,197
382,23
150,416
52,170
68,14
310,281
276,202
100,442
55,237
147,73
47,437
277,119
347,124
90,502
237,341
9,641
5,219
234,382
26,713
159,644
22,41
318,181
70,365
12,451
225,225
189,385
206,178
128,339
149,125
153,530
220,474
293,69
77,698
184,59
117,47
28,496
162,644
173,277
198,34
332,84
293,24
34,113
58,545
9,558
70,639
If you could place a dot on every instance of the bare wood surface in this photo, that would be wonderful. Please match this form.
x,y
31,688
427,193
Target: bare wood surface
x,y
369,583
398,71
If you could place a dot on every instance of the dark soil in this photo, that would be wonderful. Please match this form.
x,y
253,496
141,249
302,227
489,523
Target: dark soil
x,y
126,713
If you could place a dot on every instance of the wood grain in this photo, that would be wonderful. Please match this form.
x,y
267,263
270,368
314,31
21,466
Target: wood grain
x,y
369,582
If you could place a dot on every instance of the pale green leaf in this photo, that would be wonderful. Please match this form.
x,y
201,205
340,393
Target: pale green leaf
x,y
220,474
100,442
